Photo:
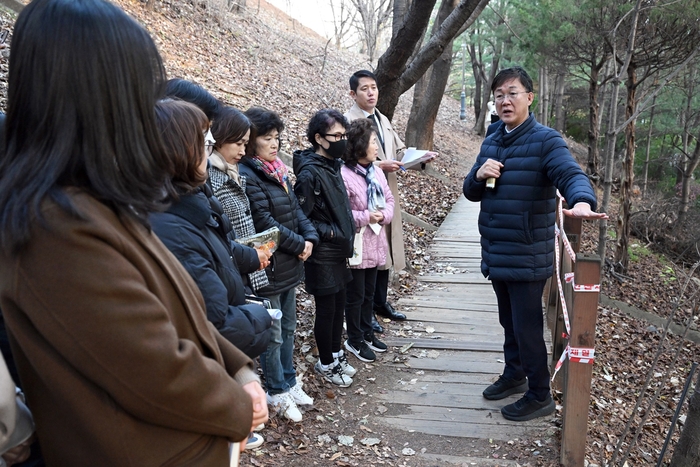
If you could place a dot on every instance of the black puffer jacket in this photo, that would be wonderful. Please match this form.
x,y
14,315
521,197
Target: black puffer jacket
x,y
516,220
322,196
274,206
196,235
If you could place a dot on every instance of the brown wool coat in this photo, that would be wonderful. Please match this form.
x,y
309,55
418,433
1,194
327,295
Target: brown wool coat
x,y
392,146
118,361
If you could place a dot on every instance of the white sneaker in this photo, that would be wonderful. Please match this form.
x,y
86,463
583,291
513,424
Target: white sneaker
x,y
299,396
284,404
342,360
334,374
255,440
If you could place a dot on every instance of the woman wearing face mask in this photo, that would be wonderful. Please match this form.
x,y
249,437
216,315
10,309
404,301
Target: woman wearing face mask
x,y
323,199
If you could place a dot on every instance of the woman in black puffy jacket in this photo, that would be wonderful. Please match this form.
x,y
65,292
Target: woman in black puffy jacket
x,y
273,204
195,230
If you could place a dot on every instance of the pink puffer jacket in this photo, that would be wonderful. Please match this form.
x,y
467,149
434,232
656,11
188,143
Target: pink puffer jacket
x,y
374,247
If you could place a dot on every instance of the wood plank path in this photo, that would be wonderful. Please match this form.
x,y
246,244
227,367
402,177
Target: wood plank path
x,y
455,342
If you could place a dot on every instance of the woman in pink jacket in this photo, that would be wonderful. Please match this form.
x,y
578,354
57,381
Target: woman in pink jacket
x,y
372,207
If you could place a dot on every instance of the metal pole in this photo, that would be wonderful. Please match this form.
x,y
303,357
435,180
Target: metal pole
x,y
677,413
463,97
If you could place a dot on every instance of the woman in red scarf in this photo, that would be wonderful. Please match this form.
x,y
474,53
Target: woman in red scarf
x,y
273,204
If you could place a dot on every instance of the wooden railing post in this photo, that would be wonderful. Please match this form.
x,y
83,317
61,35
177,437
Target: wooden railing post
x,y
555,320
578,369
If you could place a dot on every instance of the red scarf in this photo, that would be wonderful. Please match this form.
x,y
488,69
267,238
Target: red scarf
x,y
276,169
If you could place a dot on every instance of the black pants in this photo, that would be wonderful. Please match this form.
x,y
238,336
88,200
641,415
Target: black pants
x,y
358,308
381,288
520,314
328,327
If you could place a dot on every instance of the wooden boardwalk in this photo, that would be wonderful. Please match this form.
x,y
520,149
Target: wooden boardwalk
x,y
456,344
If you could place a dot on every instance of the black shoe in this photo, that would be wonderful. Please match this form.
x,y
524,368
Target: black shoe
x,y
504,387
375,344
376,327
388,311
527,407
362,351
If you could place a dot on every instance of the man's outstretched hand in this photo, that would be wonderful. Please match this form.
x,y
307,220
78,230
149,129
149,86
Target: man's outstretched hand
x,y
583,211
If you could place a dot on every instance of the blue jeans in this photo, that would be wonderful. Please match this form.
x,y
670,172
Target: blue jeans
x,y
520,314
278,360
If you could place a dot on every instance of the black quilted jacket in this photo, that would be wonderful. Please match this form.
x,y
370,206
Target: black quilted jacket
x,y
274,206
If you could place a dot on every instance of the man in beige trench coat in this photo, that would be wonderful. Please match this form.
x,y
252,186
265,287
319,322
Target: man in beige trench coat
x,y
363,90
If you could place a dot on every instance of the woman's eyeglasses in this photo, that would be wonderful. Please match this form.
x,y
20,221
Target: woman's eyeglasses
x,y
337,136
209,143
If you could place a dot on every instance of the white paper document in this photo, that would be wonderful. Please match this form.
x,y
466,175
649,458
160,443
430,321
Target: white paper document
x,y
414,156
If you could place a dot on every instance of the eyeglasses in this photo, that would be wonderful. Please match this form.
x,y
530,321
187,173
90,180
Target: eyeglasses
x,y
209,143
337,136
511,96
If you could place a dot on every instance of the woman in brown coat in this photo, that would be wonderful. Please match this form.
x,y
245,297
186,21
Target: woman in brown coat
x,y
117,359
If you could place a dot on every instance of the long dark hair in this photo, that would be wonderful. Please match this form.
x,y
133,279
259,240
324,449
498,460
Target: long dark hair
x,y
83,82
230,126
182,126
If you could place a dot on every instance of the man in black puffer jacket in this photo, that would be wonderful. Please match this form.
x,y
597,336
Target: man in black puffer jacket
x,y
517,172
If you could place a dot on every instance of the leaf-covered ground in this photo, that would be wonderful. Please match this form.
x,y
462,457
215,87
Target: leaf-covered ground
x,y
261,57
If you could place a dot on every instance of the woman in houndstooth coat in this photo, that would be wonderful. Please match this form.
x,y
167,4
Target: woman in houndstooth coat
x,y
231,130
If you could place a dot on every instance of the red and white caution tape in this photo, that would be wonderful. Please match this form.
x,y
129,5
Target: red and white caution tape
x,y
581,354
586,287
560,287
564,238
575,354
564,354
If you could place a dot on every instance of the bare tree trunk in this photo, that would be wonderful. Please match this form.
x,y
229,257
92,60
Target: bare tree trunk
x,y
400,11
544,95
689,163
687,451
419,130
559,102
645,175
627,179
690,166
395,75
478,72
413,125
484,113
593,127
612,131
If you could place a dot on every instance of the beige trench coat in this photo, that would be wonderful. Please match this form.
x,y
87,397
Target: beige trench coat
x,y
392,146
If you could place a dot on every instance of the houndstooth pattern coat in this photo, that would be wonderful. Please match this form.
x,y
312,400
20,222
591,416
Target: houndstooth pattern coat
x,y
236,206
